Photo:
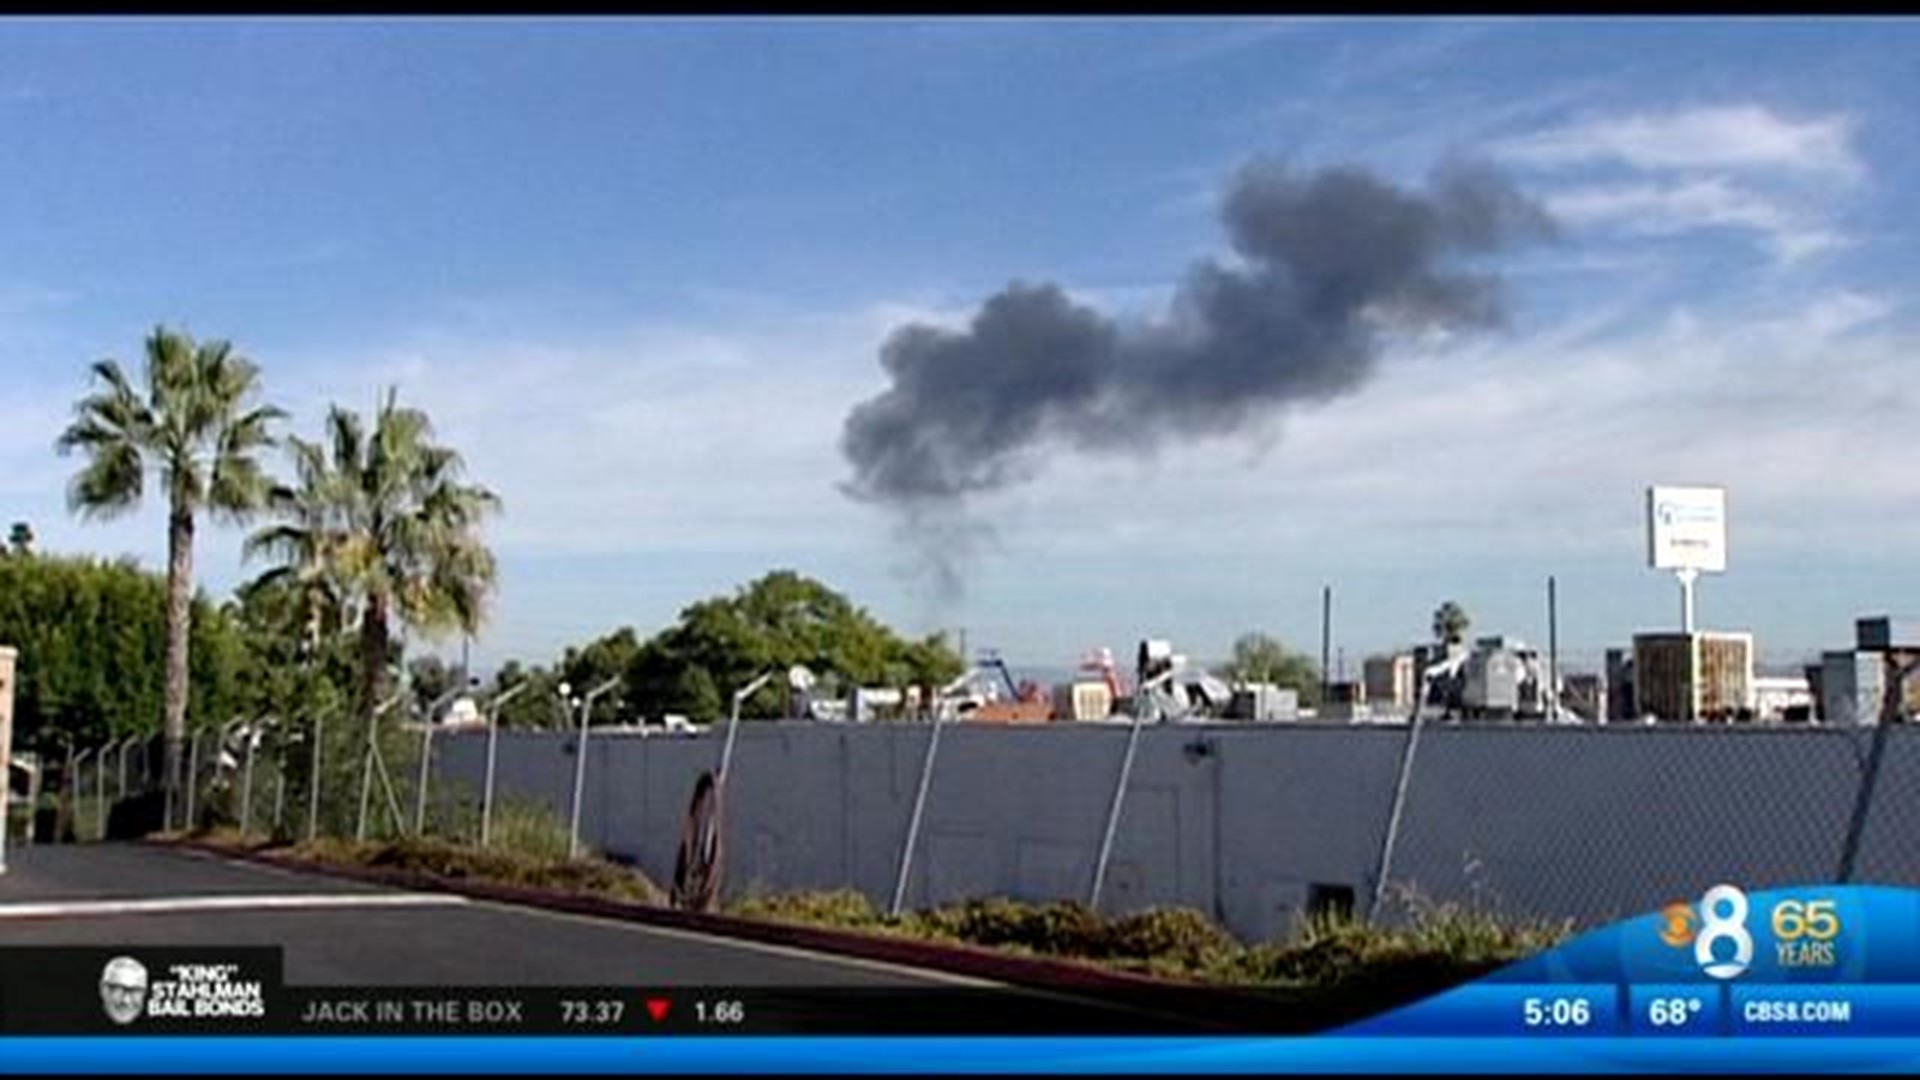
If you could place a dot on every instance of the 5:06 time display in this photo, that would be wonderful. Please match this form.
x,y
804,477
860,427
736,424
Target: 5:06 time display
x,y
1557,1012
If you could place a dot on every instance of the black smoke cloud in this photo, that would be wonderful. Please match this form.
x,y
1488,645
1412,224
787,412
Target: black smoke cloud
x,y
1330,264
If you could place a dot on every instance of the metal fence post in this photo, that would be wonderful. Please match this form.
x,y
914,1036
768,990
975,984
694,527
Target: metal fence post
x,y
246,784
1113,814
313,781
580,764
100,790
1401,782
493,748
193,777
913,823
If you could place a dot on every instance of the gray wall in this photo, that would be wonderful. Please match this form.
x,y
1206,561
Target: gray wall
x,y
1239,821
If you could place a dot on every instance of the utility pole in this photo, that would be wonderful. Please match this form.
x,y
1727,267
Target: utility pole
x,y
1553,654
1326,642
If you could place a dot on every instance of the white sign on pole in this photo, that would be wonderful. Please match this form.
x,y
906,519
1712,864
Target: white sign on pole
x,y
1687,528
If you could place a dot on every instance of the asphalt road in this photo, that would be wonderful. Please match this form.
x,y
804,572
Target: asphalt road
x,y
341,933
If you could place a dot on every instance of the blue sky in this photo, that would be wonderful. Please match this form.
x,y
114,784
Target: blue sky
x,y
639,270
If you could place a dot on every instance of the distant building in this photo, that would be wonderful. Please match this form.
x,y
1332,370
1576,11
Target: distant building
x,y
1389,681
1777,696
1584,695
1620,700
1503,678
1851,687
1689,677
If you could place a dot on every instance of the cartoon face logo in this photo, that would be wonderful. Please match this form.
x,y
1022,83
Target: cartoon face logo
x,y
123,989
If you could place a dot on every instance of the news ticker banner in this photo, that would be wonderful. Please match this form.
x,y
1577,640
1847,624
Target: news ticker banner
x,y
1819,961
179,991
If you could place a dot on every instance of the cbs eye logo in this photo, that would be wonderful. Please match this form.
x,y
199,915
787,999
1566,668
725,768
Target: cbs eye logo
x,y
1804,932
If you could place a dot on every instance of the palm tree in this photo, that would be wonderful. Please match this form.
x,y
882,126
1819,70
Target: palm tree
x,y
192,424
380,521
1450,623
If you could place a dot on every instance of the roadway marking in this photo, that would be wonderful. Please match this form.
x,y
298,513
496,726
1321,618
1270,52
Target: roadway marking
x,y
720,940
180,905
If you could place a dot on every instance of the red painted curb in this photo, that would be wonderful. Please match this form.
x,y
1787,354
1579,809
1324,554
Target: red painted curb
x,y
1028,972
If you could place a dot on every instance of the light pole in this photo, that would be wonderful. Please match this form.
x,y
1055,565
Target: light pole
x,y
493,747
580,762
426,753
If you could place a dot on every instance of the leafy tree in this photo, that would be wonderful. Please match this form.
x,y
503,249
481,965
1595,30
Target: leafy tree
x,y
1259,657
538,706
287,669
1450,623
606,658
193,424
20,539
92,641
430,678
379,521
771,624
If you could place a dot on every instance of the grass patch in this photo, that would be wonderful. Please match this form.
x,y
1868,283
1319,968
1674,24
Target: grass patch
x,y
1439,945
461,862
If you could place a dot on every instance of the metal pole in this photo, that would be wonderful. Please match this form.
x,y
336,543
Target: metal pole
x,y
493,743
279,791
80,796
1400,785
100,787
313,782
1553,653
913,823
426,753
193,777
1113,814
1326,641
580,764
1686,576
1144,702
254,735
367,764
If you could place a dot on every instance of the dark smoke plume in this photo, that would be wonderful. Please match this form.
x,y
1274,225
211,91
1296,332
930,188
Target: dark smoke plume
x,y
1330,264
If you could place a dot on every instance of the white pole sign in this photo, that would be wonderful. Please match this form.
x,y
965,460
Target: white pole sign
x,y
1687,528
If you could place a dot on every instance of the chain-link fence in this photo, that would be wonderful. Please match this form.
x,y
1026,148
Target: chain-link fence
x,y
1253,823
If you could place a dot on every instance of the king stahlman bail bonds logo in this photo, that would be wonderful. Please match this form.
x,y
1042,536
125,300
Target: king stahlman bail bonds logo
x,y
189,992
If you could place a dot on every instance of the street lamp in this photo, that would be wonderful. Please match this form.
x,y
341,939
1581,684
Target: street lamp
x,y
426,753
493,743
580,760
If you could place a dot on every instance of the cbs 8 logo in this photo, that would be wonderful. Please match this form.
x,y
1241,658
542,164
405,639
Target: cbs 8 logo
x,y
1724,911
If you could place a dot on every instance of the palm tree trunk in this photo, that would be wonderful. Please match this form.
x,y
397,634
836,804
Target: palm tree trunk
x,y
373,654
179,628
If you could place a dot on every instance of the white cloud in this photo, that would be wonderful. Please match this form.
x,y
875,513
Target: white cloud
x,y
1738,136
1671,208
